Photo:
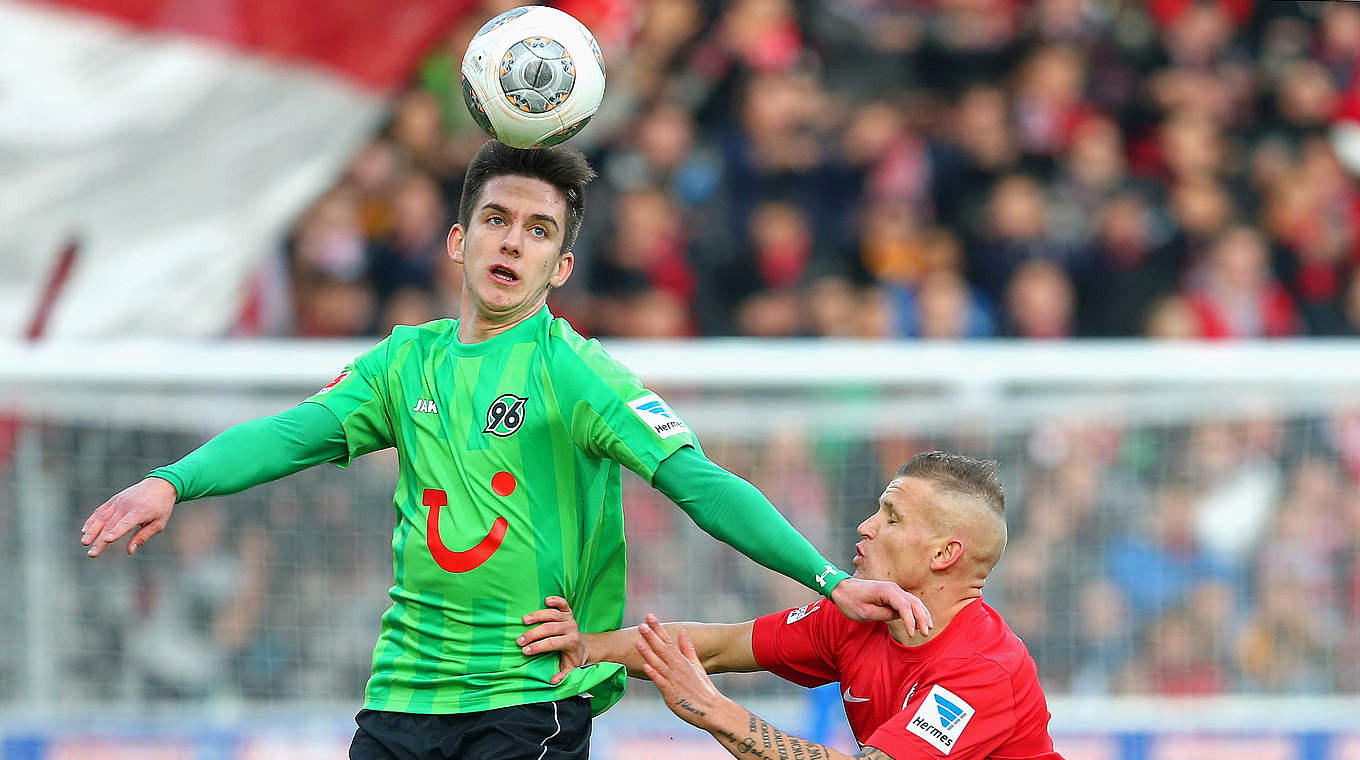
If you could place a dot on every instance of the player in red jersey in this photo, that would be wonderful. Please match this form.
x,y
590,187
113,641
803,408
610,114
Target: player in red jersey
x,y
968,689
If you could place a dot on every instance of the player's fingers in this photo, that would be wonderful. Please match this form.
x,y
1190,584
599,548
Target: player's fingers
x,y
95,522
112,529
908,616
901,605
540,632
662,684
558,603
651,647
127,520
912,611
687,649
543,616
545,643
660,630
923,619
141,536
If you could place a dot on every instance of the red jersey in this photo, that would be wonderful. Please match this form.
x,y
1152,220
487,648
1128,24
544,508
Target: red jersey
x,y
971,692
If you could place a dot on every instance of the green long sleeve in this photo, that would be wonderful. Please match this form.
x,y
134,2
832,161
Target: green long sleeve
x,y
737,513
256,452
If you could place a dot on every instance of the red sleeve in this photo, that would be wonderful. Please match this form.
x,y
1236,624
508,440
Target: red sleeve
x,y
796,644
965,715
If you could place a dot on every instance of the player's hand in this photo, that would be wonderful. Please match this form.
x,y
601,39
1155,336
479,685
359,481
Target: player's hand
x,y
679,675
862,600
555,629
146,505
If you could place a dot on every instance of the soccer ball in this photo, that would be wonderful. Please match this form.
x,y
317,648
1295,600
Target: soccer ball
x,y
533,76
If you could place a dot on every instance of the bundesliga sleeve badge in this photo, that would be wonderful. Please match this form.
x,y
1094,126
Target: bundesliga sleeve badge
x,y
941,718
659,417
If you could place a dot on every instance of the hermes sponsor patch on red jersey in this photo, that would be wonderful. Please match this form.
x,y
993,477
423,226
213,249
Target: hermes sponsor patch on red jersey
x,y
941,718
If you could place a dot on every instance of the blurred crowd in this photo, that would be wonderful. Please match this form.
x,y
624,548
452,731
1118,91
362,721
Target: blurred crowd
x,y
1204,557
897,169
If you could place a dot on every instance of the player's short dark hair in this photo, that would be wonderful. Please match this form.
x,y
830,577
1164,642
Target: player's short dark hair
x,y
564,169
959,474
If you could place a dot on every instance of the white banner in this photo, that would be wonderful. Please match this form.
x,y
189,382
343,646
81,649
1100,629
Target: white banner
x,y
172,164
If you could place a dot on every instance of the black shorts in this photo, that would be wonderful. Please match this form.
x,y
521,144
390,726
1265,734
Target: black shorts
x,y
541,731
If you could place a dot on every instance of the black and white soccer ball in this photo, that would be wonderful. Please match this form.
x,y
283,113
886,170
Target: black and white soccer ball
x,y
533,76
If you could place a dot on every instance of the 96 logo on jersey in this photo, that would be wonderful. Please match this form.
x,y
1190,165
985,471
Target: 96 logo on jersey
x,y
505,415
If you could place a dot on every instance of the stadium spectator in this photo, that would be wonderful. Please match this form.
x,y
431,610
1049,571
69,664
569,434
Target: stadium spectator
x,y
1017,230
1040,301
1129,269
1106,641
941,306
405,257
1176,662
1234,293
200,615
1159,567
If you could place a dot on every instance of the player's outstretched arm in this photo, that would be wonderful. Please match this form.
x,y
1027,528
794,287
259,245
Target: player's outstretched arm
x,y
146,505
242,456
690,694
737,513
723,648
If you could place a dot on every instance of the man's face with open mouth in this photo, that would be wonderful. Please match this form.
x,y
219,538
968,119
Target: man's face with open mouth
x,y
511,250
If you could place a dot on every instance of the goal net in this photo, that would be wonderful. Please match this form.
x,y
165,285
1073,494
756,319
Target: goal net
x,y
1184,555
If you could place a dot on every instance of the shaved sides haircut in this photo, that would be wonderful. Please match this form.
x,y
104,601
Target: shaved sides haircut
x,y
958,474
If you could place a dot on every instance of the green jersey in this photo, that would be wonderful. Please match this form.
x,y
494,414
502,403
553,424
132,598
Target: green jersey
x,y
509,492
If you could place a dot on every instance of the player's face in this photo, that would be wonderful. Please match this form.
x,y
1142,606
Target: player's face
x,y
511,250
895,542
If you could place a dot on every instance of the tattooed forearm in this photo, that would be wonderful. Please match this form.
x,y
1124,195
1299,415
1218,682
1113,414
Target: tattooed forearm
x,y
765,742
685,704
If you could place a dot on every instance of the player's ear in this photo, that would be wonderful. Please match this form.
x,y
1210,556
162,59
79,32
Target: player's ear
x,y
947,554
562,270
455,243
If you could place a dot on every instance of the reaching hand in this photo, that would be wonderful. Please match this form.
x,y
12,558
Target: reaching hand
x,y
679,675
147,505
863,600
556,631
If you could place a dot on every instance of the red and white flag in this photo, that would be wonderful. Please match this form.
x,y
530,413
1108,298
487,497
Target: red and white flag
x,y
172,142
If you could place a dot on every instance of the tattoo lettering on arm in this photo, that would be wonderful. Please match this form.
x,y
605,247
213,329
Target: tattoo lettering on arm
x,y
685,704
765,742
870,753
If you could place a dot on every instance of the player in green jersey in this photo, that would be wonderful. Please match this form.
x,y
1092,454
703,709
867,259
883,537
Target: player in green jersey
x,y
511,431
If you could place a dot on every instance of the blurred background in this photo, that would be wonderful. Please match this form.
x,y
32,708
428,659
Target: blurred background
x,y
1112,244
